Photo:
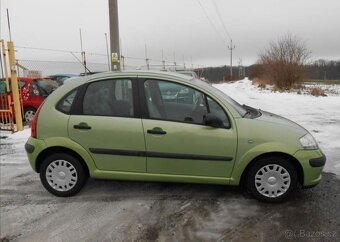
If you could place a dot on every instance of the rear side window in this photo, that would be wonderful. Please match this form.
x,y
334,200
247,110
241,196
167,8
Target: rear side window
x,y
3,88
66,102
109,98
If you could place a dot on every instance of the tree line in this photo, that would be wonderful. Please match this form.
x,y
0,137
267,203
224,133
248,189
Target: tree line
x,y
285,63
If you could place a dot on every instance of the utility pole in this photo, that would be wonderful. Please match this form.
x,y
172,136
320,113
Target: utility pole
x,y
146,58
163,61
114,35
107,53
83,56
184,62
175,60
231,47
240,68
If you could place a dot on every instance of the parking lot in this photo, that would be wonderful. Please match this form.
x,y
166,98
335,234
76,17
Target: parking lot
x,y
142,211
139,211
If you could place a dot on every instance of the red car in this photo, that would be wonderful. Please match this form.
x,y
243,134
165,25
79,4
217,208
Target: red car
x,y
33,93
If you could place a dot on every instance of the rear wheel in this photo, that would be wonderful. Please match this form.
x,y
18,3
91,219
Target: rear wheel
x,y
29,114
62,175
272,179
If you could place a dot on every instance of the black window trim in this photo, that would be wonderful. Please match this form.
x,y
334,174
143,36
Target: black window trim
x,y
77,108
144,108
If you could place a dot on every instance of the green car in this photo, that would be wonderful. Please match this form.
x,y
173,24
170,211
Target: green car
x,y
166,127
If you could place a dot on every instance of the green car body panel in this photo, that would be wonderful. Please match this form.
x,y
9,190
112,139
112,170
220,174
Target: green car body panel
x,y
232,148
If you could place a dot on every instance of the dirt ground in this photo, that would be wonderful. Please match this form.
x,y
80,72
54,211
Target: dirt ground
x,y
142,211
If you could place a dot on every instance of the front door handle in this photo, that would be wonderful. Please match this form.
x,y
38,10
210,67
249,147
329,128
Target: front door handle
x,y
82,126
156,131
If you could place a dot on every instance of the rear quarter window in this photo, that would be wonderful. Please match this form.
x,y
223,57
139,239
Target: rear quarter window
x,y
65,104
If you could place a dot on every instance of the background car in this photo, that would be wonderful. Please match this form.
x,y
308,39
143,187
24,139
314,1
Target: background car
x,y
60,78
162,126
33,93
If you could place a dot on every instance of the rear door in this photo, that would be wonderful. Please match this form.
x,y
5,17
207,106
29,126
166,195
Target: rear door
x,y
108,125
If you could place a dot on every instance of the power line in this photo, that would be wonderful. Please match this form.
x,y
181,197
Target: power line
x,y
57,50
210,21
221,20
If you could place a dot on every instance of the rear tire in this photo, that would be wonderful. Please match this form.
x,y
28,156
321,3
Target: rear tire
x,y
272,179
62,175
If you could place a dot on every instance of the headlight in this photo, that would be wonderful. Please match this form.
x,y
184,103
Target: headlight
x,y
308,142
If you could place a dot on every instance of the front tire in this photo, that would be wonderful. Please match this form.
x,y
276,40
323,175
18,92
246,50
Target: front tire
x,y
29,114
272,179
62,175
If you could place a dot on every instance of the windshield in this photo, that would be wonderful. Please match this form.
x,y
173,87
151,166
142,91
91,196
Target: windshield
x,y
238,107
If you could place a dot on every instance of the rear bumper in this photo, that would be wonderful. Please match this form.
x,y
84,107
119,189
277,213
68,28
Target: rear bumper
x,y
33,148
312,162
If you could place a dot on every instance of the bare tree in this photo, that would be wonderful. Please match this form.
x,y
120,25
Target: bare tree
x,y
283,61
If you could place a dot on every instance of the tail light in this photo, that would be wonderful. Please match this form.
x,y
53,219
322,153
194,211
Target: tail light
x,y
35,123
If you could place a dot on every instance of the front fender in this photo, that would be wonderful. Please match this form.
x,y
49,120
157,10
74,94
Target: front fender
x,y
247,156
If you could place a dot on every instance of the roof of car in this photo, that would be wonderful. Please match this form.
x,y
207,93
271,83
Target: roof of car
x,y
140,73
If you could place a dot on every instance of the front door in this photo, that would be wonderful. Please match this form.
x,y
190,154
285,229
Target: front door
x,y
177,141
108,127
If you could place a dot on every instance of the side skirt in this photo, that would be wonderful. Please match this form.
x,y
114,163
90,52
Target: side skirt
x,y
133,176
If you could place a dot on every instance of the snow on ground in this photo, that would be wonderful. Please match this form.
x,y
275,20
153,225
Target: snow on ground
x,y
12,153
319,115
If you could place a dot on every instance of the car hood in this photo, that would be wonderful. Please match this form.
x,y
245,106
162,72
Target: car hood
x,y
279,120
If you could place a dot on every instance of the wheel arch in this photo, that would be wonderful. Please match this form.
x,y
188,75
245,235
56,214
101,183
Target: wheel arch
x,y
60,149
289,157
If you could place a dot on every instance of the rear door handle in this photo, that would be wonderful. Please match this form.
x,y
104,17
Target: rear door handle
x,y
81,126
156,131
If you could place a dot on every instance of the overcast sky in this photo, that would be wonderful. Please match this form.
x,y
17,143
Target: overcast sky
x,y
177,26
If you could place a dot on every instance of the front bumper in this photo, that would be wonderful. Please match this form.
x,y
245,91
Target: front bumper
x,y
312,162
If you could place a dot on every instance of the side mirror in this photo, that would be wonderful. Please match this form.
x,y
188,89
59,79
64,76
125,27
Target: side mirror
x,y
213,121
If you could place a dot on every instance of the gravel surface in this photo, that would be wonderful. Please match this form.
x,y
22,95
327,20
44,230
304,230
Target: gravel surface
x,y
143,211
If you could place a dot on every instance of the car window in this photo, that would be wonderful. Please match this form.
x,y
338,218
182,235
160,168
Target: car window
x,y
3,86
66,102
174,102
46,86
218,111
109,98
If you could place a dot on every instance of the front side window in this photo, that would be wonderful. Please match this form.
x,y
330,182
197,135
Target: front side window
x,y
109,98
175,102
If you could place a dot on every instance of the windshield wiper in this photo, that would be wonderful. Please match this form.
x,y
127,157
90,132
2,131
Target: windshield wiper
x,y
248,110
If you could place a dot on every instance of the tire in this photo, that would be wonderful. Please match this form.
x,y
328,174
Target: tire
x,y
29,114
62,175
272,179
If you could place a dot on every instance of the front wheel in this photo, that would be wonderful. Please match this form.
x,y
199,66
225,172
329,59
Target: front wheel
x,y
62,175
272,179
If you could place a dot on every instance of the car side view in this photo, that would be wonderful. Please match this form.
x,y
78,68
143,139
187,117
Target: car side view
x,y
166,127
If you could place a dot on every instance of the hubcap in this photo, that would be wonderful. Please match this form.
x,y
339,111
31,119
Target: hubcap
x,y
61,175
272,180
29,115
